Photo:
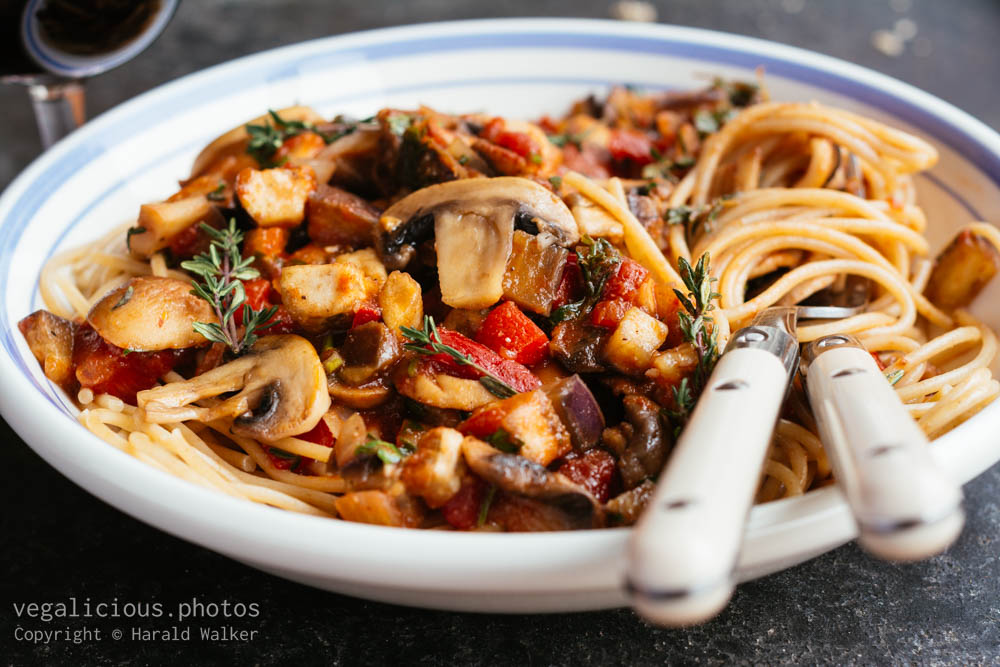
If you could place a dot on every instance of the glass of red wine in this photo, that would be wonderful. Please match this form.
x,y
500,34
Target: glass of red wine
x,y
51,46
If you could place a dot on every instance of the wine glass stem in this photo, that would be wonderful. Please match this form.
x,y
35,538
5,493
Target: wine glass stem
x,y
59,108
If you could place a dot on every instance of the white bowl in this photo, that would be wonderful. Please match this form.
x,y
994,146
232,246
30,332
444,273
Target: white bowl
x,y
99,176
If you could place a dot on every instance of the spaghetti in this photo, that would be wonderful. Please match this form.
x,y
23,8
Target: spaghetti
x,y
786,200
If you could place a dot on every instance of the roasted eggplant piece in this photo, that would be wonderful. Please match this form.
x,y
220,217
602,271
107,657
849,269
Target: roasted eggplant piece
x,y
578,410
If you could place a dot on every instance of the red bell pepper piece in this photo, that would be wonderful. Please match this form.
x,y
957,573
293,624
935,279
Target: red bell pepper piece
x,y
630,145
511,334
519,142
511,372
320,434
570,287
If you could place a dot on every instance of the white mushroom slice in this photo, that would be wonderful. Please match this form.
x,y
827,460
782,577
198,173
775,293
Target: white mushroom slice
x,y
473,222
472,252
281,385
151,313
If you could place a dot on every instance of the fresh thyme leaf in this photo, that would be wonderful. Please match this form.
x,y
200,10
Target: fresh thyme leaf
x,y
387,452
125,299
266,139
132,231
484,509
428,341
502,439
223,268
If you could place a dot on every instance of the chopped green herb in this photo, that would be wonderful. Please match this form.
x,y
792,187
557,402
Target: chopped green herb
x,y
132,231
463,160
894,376
286,456
556,182
502,439
126,297
535,158
217,193
386,451
399,123
484,509
332,363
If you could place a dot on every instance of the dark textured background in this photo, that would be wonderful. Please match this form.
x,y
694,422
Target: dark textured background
x,y
58,542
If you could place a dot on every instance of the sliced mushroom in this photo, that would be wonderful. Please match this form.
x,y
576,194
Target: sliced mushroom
x,y
440,390
281,389
50,339
647,441
515,474
473,221
151,313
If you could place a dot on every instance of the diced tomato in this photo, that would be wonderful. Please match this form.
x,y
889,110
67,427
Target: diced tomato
x,y
189,242
320,434
629,275
519,142
107,369
462,510
511,372
593,470
265,242
609,313
589,161
570,286
260,294
511,334
282,460
366,312
308,254
631,146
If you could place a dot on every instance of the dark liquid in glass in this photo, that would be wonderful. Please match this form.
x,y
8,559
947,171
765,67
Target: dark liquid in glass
x,y
80,27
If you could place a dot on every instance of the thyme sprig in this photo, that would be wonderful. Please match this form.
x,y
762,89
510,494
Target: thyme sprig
x,y
223,269
267,138
597,265
387,452
428,341
697,328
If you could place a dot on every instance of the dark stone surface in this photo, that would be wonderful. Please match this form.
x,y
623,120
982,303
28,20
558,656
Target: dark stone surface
x,y
841,608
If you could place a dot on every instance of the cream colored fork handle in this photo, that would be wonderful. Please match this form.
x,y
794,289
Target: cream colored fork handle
x,y
906,508
683,551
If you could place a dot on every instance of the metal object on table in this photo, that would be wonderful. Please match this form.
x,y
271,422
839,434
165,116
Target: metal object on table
x,y
53,68
905,507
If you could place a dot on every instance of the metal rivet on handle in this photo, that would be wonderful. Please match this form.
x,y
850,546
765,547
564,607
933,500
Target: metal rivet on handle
x,y
848,371
832,341
882,450
731,385
754,336
677,504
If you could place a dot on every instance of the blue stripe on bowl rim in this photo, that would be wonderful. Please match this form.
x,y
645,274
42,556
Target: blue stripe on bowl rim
x,y
137,115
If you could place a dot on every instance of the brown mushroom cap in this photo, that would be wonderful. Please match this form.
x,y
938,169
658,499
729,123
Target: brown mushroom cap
x,y
281,385
151,313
